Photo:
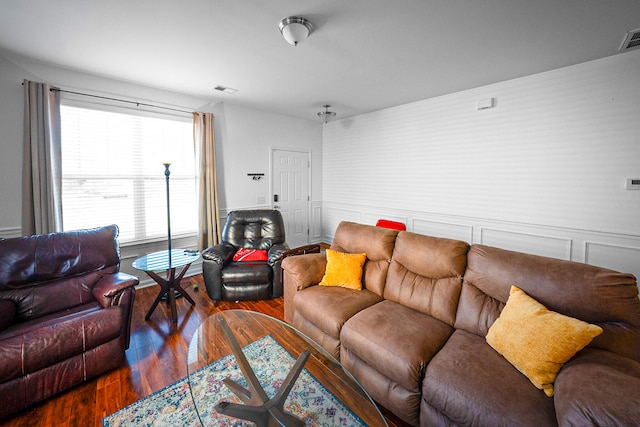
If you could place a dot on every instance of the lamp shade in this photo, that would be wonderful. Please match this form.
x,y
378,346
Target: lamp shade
x,y
295,29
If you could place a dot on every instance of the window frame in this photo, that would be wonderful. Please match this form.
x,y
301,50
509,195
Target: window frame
x,y
114,106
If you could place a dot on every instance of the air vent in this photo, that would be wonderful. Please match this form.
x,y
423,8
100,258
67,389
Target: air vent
x,y
631,41
225,89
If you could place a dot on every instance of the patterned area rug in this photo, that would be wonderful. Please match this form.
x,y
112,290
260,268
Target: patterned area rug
x,y
173,406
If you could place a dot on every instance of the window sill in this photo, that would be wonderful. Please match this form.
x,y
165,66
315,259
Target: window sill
x,y
155,240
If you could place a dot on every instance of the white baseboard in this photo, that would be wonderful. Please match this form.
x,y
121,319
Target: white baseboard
x,y
10,232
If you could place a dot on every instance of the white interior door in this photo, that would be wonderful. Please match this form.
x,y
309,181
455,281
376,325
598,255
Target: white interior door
x,y
290,193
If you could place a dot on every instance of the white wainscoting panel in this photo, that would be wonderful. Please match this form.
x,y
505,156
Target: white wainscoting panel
x,y
449,230
620,252
316,222
332,216
616,257
550,246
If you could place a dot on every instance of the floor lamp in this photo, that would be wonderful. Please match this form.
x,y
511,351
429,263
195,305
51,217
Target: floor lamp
x,y
166,174
172,271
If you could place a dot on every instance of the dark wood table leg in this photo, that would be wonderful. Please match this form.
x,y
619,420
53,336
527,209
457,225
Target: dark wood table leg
x,y
177,286
164,287
171,295
168,287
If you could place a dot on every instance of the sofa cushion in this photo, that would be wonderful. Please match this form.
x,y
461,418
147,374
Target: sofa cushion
x,y
258,228
30,259
326,309
42,299
7,313
476,310
538,341
471,384
387,347
376,242
398,341
343,270
404,403
245,291
593,389
425,274
589,293
30,346
247,272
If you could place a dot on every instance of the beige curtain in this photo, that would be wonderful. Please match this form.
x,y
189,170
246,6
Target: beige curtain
x,y
42,173
208,211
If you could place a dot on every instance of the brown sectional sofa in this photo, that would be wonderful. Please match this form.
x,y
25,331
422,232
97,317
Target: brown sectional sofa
x,y
414,336
65,313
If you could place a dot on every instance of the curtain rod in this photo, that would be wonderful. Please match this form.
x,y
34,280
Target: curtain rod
x,y
117,99
120,100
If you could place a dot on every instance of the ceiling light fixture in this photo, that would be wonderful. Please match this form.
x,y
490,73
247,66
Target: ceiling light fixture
x,y
326,115
295,29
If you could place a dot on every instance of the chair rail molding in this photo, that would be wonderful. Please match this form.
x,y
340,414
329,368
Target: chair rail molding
x,y
617,251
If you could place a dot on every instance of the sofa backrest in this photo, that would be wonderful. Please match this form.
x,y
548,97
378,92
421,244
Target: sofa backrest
x,y
47,273
376,242
589,293
425,274
254,229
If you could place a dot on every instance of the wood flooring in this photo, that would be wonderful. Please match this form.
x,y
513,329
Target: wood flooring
x,y
156,358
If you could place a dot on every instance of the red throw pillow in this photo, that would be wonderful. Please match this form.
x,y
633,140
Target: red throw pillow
x,y
394,225
245,254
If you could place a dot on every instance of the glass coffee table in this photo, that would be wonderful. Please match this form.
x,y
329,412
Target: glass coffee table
x,y
167,261
323,393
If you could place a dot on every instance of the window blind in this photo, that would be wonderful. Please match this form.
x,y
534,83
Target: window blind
x,y
113,172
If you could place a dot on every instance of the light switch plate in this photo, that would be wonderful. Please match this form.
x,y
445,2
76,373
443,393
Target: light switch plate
x,y
633,183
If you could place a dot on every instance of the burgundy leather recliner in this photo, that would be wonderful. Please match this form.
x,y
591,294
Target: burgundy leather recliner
x,y
65,312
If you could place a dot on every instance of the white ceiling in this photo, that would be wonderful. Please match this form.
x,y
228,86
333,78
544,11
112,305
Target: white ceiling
x,y
364,55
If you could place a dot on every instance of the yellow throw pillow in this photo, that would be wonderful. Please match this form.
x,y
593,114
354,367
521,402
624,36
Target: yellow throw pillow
x,y
343,270
538,341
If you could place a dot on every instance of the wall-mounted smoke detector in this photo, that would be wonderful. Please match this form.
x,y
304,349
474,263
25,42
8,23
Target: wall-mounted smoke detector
x,y
631,41
225,89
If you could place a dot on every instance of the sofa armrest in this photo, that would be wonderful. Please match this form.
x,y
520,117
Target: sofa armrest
x,y
300,272
598,387
108,289
305,270
276,253
220,254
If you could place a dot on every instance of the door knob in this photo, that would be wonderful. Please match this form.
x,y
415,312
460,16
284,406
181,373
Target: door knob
x,y
276,207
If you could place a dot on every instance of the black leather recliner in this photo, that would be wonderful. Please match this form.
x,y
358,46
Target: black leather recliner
x,y
230,280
